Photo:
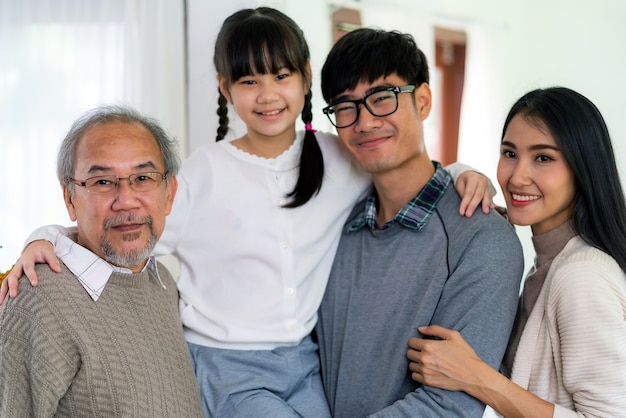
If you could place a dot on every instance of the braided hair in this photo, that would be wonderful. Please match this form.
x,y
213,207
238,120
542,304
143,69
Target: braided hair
x,y
265,40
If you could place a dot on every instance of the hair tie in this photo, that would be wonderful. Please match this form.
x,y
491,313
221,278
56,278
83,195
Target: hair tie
x,y
309,127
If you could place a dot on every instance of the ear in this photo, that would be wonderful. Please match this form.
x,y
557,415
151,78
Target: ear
x,y
170,193
223,86
423,100
69,204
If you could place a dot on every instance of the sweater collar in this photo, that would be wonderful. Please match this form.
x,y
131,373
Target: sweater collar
x,y
93,272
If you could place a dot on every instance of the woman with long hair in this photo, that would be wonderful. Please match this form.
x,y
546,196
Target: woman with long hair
x,y
567,351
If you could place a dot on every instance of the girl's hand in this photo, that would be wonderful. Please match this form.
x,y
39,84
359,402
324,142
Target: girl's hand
x,y
475,190
40,251
449,363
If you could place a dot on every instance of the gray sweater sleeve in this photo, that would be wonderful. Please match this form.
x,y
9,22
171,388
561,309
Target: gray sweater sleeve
x,y
479,300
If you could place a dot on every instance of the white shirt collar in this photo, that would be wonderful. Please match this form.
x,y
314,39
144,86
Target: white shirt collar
x,y
92,271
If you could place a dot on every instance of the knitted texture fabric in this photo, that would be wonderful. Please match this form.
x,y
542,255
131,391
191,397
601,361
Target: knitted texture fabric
x,y
573,349
63,354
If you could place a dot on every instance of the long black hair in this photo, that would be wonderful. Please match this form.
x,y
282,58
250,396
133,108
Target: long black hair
x,y
581,134
265,40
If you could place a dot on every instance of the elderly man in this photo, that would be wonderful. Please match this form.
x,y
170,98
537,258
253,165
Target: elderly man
x,y
406,257
103,337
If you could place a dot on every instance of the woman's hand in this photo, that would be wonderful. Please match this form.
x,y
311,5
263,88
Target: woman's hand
x,y
40,251
449,363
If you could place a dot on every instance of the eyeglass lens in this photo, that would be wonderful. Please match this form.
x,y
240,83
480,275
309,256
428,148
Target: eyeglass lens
x,y
380,103
140,182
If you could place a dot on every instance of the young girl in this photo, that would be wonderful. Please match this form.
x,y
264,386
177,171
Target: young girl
x,y
255,226
568,348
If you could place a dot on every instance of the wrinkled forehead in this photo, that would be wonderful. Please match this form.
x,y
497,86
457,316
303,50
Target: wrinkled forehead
x,y
114,146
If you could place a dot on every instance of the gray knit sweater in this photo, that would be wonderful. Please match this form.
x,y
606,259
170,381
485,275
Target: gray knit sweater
x,y
456,272
62,354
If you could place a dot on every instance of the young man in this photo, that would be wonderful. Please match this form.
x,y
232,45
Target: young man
x,y
103,337
406,257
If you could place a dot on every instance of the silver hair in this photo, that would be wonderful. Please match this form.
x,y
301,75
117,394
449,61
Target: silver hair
x,y
106,114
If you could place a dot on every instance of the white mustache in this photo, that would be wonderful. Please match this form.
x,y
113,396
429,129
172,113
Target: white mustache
x,y
127,219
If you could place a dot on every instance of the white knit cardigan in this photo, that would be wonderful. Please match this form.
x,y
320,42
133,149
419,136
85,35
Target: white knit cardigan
x,y
573,349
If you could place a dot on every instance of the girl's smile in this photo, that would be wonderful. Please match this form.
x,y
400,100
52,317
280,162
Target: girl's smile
x,y
269,105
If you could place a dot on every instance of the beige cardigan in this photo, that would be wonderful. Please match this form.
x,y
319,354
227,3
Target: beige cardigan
x,y
573,349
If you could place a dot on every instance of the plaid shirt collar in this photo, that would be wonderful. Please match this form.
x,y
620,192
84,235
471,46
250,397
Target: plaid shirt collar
x,y
415,214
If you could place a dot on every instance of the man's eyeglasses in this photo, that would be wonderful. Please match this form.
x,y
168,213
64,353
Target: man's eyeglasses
x,y
140,182
379,103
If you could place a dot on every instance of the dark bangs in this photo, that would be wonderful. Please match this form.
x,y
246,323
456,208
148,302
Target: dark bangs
x,y
268,44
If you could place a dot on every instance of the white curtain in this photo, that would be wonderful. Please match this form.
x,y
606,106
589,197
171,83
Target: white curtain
x,y
59,58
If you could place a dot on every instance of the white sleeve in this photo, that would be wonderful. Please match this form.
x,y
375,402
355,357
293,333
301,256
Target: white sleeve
x,y
50,233
458,168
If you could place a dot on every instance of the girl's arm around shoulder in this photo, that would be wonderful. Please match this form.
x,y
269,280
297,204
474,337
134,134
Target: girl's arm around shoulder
x,y
476,189
39,249
473,186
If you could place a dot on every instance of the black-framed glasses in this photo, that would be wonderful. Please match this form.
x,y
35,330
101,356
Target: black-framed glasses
x,y
139,182
379,103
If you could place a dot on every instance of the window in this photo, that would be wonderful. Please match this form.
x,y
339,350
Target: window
x,y
59,59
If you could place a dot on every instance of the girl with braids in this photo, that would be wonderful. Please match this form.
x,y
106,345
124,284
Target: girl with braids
x,y
263,70
567,351
255,226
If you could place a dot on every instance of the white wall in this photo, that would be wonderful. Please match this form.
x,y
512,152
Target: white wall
x,y
204,19
576,44
60,58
